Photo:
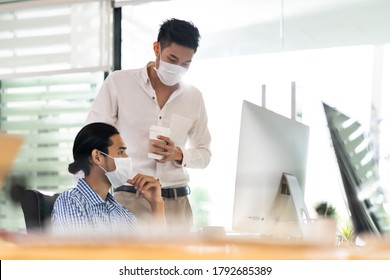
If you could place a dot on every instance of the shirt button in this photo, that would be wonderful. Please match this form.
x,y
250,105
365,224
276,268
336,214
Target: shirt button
x,y
160,117
153,97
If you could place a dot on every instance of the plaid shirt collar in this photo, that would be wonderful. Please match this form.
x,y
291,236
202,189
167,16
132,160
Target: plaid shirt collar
x,y
92,197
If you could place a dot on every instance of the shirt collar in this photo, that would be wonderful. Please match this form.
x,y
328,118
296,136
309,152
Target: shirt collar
x,y
145,76
91,195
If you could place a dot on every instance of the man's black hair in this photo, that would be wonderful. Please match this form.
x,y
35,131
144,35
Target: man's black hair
x,y
92,136
178,31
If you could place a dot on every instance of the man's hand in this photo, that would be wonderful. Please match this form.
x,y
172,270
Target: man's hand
x,y
150,189
167,149
148,186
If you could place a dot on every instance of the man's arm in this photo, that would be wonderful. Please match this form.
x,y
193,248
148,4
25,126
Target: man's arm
x,y
104,107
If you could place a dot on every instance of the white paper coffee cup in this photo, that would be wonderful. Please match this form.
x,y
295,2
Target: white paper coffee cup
x,y
153,133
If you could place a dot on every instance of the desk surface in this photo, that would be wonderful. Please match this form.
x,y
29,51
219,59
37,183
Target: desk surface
x,y
19,246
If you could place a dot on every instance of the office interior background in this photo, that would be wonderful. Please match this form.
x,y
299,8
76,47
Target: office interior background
x,y
55,54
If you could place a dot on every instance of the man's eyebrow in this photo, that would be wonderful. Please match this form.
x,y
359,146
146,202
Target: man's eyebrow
x,y
122,148
174,57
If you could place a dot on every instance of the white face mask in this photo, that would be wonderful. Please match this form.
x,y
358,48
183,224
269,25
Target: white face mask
x,y
170,74
122,172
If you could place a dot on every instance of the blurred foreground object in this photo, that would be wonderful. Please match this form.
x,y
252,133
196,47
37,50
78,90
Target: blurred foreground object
x,y
9,148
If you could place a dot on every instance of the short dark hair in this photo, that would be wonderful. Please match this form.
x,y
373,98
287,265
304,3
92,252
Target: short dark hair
x,y
178,31
91,136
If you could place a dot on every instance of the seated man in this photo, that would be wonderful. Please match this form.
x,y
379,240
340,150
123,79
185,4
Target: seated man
x,y
100,153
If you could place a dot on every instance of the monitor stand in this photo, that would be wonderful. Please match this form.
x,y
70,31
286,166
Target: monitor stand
x,y
297,196
290,212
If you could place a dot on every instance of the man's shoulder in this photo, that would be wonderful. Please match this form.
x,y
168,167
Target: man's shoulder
x,y
191,91
70,193
125,72
123,77
66,198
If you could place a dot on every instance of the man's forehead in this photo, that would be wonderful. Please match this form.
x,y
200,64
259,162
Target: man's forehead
x,y
117,142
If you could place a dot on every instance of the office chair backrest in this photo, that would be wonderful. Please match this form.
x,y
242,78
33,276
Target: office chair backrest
x,y
37,209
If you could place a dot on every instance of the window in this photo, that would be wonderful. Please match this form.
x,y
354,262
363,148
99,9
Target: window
x,y
48,111
52,62
55,37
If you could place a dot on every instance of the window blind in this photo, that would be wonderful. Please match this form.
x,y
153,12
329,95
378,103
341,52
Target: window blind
x,y
46,36
48,111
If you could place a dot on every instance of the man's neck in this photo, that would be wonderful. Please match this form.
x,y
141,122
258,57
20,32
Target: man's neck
x,y
99,186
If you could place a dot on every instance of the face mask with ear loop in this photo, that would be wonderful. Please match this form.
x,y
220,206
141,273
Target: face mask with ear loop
x,y
168,73
122,172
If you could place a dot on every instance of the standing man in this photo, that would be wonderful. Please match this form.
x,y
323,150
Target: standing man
x,y
134,100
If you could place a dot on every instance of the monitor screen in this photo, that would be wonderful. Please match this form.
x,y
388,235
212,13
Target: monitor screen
x,y
269,146
359,171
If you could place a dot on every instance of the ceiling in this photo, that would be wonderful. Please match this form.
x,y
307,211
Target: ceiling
x,y
253,26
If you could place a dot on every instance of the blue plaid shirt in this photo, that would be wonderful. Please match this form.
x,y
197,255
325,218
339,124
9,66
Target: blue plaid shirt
x,y
81,210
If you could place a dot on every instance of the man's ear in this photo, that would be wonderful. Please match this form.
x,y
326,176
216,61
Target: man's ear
x,y
156,48
96,156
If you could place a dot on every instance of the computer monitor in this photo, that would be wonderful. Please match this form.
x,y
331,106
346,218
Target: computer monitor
x,y
270,145
359,171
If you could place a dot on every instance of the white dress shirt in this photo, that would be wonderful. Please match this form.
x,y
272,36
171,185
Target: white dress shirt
x,y
128,101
